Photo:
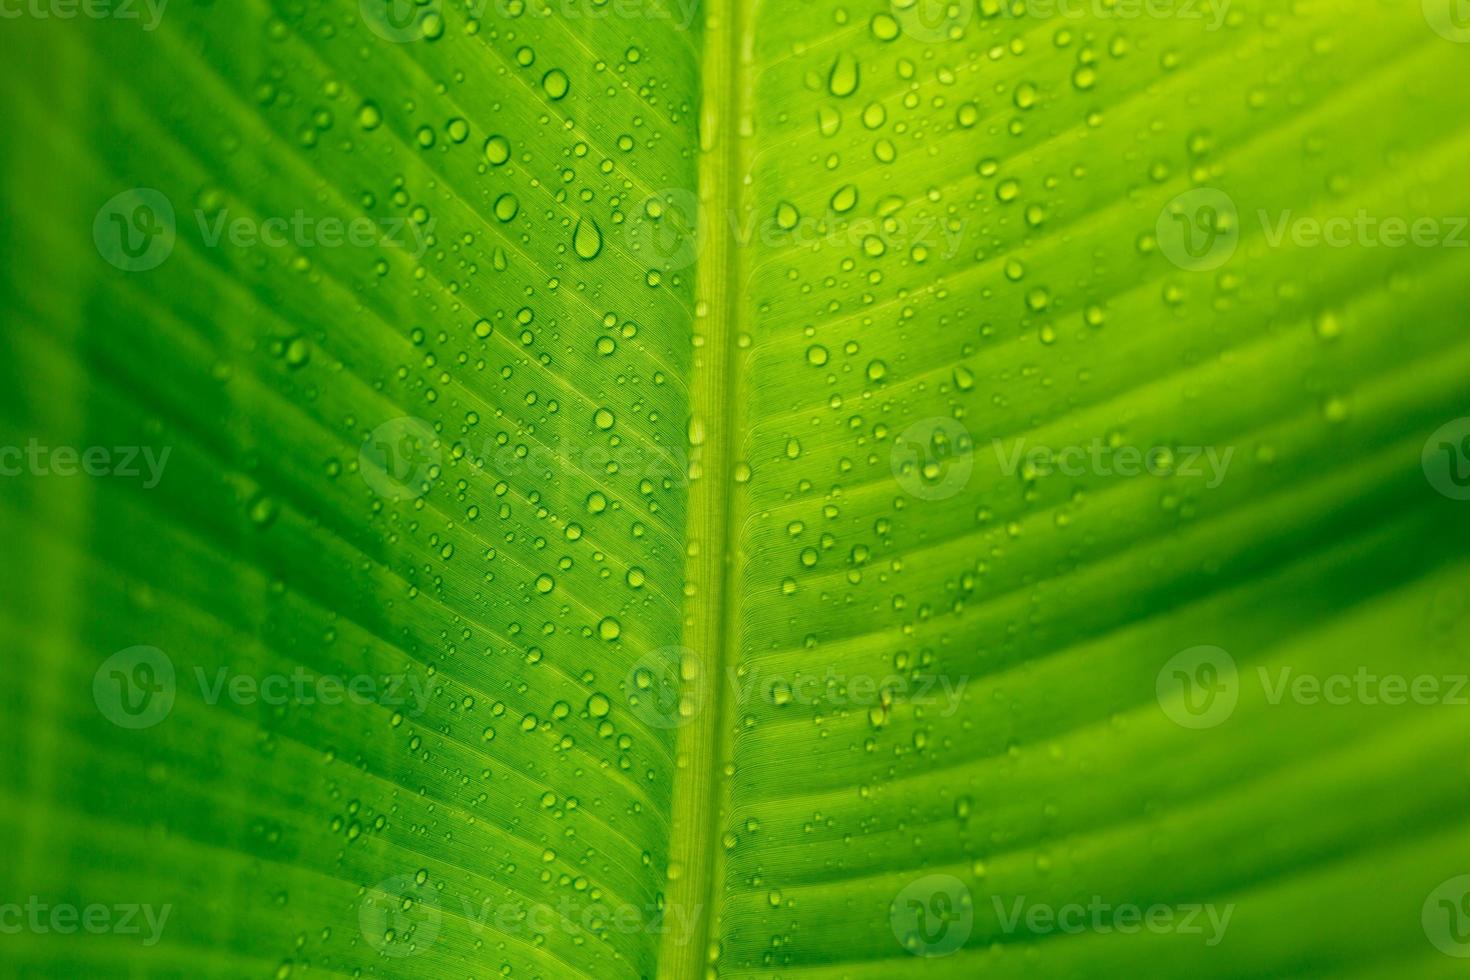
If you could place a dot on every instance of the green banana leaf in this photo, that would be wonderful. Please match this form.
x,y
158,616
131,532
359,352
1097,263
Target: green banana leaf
x,y
649,488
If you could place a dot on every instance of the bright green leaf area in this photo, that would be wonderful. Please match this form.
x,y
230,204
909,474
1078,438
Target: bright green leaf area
x,y
646,489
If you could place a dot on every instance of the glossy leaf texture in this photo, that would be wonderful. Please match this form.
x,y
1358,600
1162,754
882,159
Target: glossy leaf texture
x,y
643,488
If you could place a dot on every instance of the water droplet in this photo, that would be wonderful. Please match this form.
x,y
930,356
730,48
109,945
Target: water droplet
x,y
829,121
1328,326
369,116
843,81
587,239
884,27
497,150
556,83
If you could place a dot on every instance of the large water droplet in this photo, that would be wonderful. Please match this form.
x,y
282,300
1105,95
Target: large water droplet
x,y
587,239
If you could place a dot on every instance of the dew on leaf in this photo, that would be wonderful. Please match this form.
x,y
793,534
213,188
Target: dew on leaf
x,y
497,150
556,83
587,239
843,79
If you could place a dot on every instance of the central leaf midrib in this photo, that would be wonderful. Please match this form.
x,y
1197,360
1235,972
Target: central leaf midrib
x,y
711,571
